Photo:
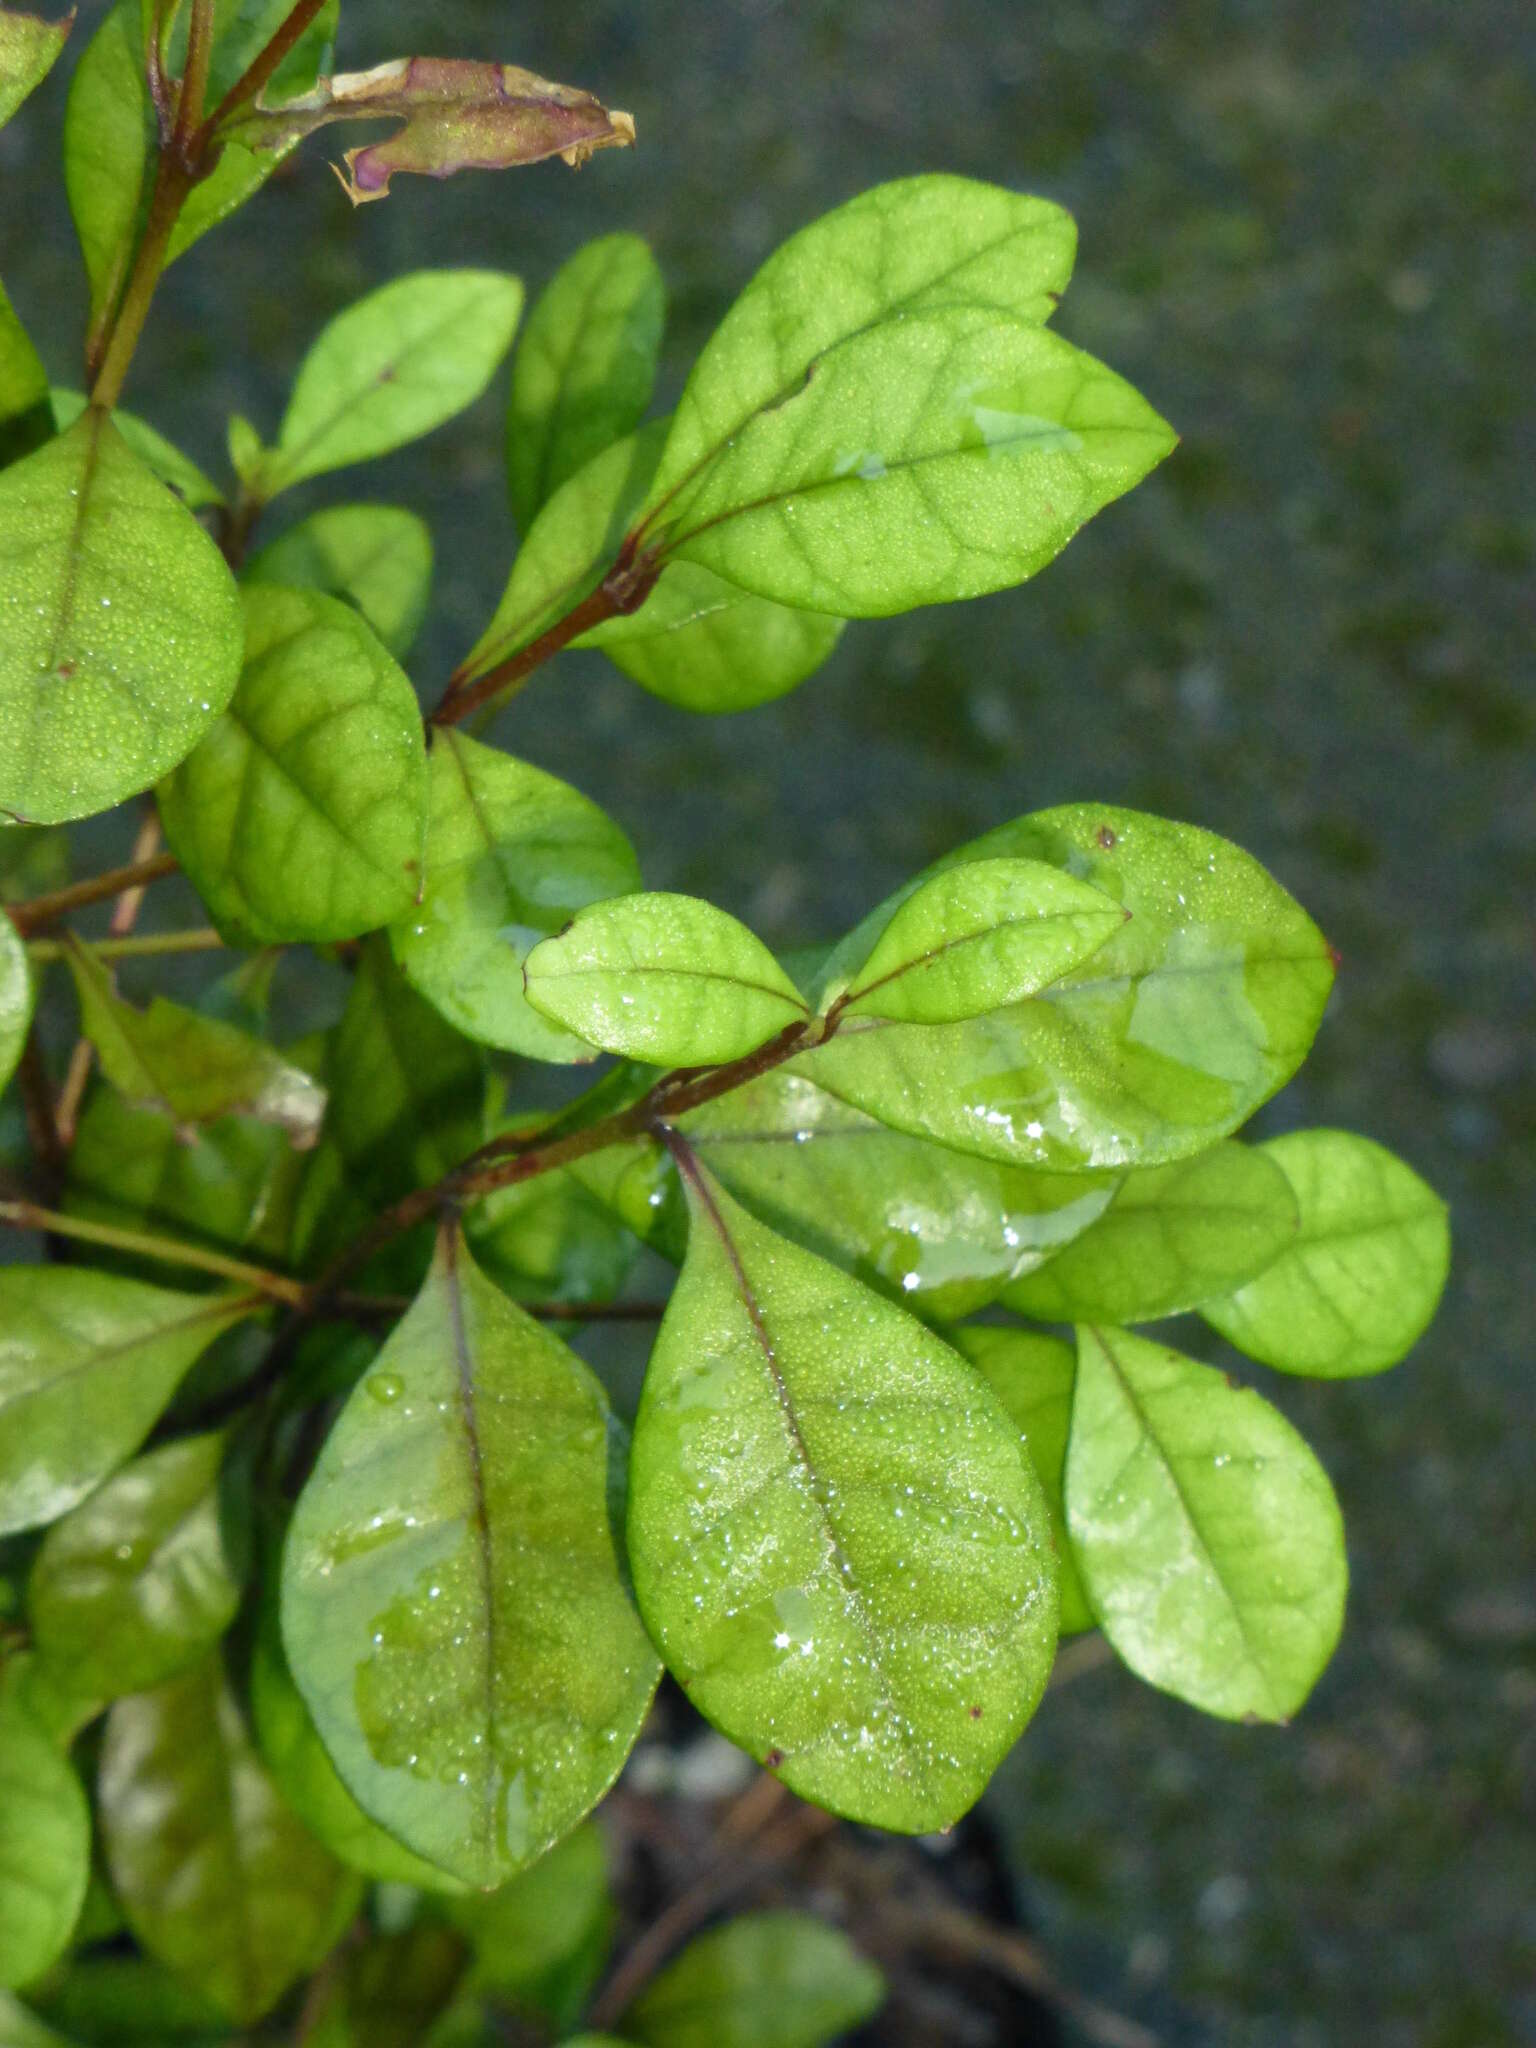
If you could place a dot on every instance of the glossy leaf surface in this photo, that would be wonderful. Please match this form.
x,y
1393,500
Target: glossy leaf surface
x,y
584,368
29,49
87,1363
1357,1285
303,813
376,557
25,415
138,1582
393,367
45,1844
512,854
668,979
1195,1012
1206,1532
218,1879
454,1602
838,1543
764,1980
152,448
122,627
16,998
1172,1237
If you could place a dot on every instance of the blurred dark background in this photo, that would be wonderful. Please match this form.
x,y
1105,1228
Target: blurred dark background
x,y
1305,233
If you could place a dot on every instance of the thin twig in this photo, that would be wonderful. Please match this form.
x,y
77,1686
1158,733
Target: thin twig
x,y
43,912
37,1106
258,73
143,946
167,1251
130,901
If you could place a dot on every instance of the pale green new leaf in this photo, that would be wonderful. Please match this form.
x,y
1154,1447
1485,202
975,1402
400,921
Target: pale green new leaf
x,y
1172,1237
763,1980
29,49
302,815
1358,1283
25,418
217,1878
152,448
16,998
512,854
454,1601
1194,1012
377,557
1031,1374
977,937
45,1844
838,1543
667,979
391,368
584,368
1207,1535
122,627
87,1363
138,1581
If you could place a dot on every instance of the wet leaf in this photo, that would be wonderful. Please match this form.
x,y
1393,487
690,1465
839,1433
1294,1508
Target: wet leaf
x,y
882,420
838,1543
391,368
511,855
1195,1012
455,115
454,1600
29,49
1172,1236
16,998
942,1230
1206,1533
138,1581
1356,1286
87,1363
152,448
765,1980
585,366
1032,1374
302,815
25,418
193,1068
217,1878
122,636
377,557
45,1845
668,979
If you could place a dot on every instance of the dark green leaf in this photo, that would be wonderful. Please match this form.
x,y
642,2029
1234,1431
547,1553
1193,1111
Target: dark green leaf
x,y
138,1581
16,998
1206,1533
302,815
127,2001
511,855
29,49
45,1844
454,1601
551,1239
152,448
25,418
767,1980
1172,1237
838,1543
541,1940
377,557
216,1876
1357,1284
585,367
87,1363
123,638
388,1992
20,2028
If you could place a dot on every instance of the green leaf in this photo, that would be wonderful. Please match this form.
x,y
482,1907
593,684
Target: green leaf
x,y
87,1363
25,419
391,368
977,937
668,979
1195,1012
511,855
1172,1237
882,421
16,998
766,1980
216,1876
123,638
29,49
45,1844
551,1239
454,1602
585,367
943,1230
386,1992
193,1068
302,815
1032,1374
138,1582
20,2028
126,1999
838,1543
377,557
545,1935
150,445
1206,1533
1357,1285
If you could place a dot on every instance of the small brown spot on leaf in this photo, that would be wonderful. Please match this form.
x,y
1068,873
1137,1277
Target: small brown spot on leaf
x,y
1106,837
65,670
773,1759
975,1713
